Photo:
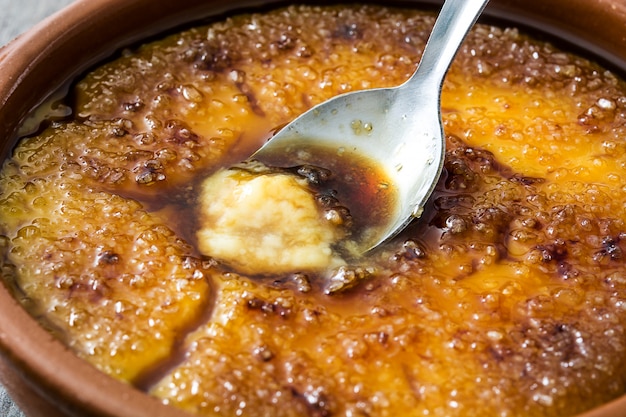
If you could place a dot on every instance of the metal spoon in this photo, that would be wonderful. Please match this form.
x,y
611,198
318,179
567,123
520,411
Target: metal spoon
x,y
404,130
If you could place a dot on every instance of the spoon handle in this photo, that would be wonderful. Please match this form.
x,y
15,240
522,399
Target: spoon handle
x,y
452,26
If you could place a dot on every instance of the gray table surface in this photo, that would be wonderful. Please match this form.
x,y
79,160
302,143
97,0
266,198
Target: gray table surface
x,y
15,18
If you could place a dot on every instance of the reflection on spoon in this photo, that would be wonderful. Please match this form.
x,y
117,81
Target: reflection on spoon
x,y
398,128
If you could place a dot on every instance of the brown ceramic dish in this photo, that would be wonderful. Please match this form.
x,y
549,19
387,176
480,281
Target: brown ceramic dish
x,y
44,377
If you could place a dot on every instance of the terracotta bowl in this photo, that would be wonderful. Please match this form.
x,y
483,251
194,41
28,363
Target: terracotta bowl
x,y
45,378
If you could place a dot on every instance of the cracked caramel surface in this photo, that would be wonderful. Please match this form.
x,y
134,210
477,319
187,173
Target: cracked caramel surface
x,y
506,298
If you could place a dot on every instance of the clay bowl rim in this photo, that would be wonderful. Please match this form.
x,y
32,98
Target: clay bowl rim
x,y
46,364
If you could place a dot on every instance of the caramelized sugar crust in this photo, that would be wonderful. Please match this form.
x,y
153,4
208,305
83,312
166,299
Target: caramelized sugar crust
x,y
111,280
506,298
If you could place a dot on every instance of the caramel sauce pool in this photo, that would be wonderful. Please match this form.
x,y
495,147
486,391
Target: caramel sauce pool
x,y
506,298
350,178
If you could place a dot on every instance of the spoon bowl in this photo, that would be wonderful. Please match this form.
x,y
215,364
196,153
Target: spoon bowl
x,y
399,128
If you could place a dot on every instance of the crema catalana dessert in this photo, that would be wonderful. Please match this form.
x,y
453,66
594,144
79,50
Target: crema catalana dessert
x,y
133,233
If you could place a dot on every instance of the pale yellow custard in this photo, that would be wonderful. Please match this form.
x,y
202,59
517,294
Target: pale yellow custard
x,y
265,224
